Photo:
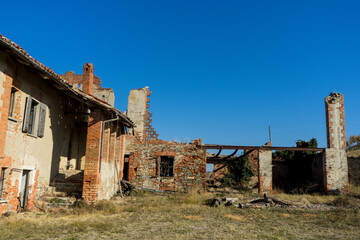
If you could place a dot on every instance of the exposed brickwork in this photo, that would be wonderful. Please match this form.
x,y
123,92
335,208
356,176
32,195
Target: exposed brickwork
x,y
335,161
92,162
138,111
150,133
189,165
33,191
88,78
5,91
219,171
335,121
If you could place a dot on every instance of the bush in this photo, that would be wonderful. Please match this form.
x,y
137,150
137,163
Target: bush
x,y
239,172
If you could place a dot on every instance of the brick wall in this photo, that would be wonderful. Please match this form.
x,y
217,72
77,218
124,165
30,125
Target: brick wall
x,y
5,91
189,165
92,157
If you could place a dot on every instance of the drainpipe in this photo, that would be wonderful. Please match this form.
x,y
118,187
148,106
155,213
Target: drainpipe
x,y
102,137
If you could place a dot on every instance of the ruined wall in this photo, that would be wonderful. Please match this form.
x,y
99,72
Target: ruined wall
x,y
110,163
138,104
103,164
220,170
354,170
81,81
335,161
265,171
189,165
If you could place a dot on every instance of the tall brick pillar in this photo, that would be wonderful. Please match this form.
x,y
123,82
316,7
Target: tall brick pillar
x,y
91,185
88,78
335,161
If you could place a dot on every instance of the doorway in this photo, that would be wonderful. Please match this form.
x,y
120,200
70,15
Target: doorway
x,y
24,189
126,167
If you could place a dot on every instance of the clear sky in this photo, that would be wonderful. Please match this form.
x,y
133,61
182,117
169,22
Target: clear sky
x,y
219,70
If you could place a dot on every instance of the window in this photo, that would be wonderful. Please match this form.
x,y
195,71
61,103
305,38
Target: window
x,y
3,180
34,117
166,166
12,102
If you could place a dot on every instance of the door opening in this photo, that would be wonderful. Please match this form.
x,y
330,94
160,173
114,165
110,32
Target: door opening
x,y
126,167
24,189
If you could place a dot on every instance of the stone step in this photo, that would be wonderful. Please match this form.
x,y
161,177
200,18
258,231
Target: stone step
x,y
69,175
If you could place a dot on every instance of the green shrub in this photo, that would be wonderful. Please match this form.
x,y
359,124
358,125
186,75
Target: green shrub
x,y
239,172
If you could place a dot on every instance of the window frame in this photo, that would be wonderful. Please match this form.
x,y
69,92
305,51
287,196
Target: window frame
x,y
13,113
3,181
171,169
34,117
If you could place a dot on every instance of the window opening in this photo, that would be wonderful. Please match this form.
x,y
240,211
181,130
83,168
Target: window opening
x,y
12,102
3,180
166,166
34,117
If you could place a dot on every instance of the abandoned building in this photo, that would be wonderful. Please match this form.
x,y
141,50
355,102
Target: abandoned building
x,y
158,164
329,167
57,133
62,133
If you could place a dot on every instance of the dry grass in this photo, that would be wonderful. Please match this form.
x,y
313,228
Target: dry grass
x,y
187,216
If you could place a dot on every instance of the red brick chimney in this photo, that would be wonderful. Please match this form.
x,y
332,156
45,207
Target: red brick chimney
x,y
88,78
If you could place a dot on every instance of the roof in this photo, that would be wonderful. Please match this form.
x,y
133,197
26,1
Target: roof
x,y
60,83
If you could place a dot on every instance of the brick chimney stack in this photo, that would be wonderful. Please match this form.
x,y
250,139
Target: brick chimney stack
x,y
88,78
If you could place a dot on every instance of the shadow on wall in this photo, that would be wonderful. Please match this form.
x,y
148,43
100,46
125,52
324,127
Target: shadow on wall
x,y
69,131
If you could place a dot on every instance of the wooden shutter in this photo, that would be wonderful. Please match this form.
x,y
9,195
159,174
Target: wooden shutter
x,y
42,117
26,120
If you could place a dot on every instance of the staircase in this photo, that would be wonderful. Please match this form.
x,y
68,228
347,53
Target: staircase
x,y
68,183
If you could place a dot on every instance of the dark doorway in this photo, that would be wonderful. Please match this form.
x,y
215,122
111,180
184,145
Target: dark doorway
x,y
126,167
24,189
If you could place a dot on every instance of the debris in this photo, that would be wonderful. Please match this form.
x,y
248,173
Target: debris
x,y
229,201
215,202
127,187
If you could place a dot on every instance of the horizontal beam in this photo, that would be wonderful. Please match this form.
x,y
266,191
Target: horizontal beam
x,y
213,146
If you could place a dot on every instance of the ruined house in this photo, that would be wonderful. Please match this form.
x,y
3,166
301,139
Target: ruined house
x,y
58,133
62,134
157,164
329,167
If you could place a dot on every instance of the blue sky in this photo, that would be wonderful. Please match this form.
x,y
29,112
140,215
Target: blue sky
x,y
219,70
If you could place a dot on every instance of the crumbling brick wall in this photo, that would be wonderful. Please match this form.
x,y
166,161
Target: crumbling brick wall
x,y
138,112
146,151
189,165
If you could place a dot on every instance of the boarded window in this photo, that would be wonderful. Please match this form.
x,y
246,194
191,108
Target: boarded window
x,y
166,166
3,180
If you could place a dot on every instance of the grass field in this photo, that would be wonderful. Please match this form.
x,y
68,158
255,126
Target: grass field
x,y
150,216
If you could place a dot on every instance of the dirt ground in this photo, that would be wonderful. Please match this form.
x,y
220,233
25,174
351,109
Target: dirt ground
x,y
189,216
